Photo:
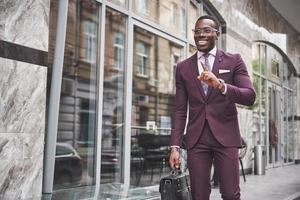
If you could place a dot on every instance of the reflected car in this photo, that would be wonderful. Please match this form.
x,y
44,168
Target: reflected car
x,y
68,166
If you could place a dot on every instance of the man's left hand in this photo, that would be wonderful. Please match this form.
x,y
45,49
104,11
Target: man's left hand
x,y
208,77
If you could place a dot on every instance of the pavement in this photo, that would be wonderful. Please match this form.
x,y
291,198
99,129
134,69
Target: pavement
x,y
281,183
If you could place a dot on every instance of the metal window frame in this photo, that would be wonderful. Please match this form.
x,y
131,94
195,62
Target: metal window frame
x,y
269,84
132,20
54,98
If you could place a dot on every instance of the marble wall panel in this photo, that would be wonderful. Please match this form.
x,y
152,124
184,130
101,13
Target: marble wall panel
x,y
22,97
25,22
21,166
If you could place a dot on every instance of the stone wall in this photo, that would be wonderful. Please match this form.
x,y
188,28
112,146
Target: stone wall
x,y
23,33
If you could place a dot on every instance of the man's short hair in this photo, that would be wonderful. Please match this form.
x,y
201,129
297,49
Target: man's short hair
x,y
211,18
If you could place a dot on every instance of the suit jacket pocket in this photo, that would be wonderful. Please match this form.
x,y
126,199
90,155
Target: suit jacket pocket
x,y
227,77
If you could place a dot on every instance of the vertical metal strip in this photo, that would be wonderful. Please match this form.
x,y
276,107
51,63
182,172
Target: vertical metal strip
x,y
101,45
187,42
54,97
128,101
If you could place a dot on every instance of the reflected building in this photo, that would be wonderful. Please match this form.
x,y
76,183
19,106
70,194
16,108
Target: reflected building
x,y
118,90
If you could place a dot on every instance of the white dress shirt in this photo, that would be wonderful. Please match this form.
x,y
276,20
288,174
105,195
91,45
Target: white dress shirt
x,y
211,59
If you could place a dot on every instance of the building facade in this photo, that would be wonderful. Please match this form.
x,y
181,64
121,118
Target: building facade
x,y
108,134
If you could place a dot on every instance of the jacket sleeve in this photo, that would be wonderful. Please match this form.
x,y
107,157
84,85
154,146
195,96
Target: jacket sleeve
x,y
241,91
180,110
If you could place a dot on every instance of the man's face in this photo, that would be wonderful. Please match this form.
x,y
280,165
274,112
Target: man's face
x,y
205,35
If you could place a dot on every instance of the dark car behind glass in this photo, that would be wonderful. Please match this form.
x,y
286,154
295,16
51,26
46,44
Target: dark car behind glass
x,y
68,166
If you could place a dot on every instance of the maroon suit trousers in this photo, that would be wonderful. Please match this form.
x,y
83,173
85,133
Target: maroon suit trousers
x,y
226,160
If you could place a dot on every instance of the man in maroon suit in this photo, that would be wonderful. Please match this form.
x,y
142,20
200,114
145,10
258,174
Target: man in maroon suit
x,y
208,85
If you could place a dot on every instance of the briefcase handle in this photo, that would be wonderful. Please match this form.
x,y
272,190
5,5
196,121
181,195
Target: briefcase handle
x,y
175,172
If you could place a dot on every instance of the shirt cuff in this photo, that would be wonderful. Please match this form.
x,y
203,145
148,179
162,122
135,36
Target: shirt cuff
x,y
225,89
175,146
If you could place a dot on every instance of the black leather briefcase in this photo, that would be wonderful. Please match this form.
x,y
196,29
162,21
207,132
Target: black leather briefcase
x,y
176,186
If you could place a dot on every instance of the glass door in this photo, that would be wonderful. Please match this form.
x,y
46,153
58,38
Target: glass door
x,y
274,141
290,128
288,133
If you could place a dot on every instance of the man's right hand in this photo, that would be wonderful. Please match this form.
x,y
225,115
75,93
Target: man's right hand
x,y
174,160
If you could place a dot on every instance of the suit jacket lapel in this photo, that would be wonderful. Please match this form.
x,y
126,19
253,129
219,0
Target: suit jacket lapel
x,y
216,66
195,73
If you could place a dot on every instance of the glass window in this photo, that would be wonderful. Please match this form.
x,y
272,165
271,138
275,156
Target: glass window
x,y
182,20
123,3
285,125
119,50
175,59
113,100
255,59
143,58
173,13
274,62
256,110
275,68
272,103
263,110
89,41
263,59
194,14
75,152
291,125
142,6
168,13
152,103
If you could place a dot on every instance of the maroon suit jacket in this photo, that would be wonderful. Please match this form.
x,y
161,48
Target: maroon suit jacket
x,y
218,109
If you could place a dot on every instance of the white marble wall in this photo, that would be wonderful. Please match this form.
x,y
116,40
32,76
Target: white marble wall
x,y
22,100
22,128
25,22
23,97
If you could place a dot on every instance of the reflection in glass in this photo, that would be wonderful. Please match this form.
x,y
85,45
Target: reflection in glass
x,y
170,14
119,50
274,126
285,125
269,63
122,3
255,58
194,14
290,132
256,110
143,58
263,59
153,96
75,149
113,98
263,111
277,138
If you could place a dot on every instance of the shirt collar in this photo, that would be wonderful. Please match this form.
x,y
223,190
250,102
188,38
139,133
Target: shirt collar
x,y
211,52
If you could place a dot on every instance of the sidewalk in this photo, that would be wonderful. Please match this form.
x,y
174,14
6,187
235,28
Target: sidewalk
x,y
282,183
